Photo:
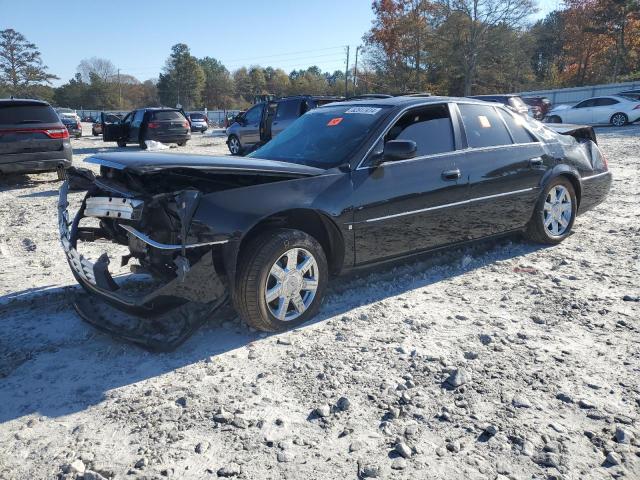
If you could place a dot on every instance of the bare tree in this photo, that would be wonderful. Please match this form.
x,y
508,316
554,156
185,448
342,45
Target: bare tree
x,y
101,67
481,16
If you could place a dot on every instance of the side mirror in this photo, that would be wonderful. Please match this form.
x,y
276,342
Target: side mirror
x,y
398,150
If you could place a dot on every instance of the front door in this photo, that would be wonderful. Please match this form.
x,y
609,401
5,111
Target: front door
x,y
580,113
503,166
136,124
410,205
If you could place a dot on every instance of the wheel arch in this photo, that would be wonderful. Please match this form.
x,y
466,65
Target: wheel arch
x,y
313,222
569,174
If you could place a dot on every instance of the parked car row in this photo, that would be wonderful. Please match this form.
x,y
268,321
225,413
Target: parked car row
x,y
33,137
617,110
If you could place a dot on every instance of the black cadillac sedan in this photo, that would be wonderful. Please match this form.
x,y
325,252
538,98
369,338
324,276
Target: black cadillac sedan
x,y
346,185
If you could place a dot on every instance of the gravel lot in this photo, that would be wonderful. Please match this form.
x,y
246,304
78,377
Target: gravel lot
x,y
500,361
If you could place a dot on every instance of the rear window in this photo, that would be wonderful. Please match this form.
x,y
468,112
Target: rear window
x,y
196,116
26,114
483,126
167,115
287,110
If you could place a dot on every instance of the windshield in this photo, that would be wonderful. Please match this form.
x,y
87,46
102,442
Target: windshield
x,y
324,137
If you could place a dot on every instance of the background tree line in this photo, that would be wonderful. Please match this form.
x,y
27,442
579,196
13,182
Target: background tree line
x,y
451,47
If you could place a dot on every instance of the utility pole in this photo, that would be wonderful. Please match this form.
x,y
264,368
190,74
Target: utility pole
x,y
119,91
346,76
355,72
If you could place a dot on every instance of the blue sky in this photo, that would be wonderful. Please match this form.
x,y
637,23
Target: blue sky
x,y
137,35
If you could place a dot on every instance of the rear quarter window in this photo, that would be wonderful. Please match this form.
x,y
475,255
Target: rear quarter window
x,y
26,114
515,123
483,126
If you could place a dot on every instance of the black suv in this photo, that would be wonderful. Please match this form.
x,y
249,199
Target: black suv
x,y
166,125
255,127
32,138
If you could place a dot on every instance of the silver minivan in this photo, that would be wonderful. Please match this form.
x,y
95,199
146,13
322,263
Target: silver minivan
x,y
266,120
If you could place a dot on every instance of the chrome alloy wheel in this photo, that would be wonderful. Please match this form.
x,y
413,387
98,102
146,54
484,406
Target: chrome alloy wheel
x,y
291,284
619,119
234,145
557,211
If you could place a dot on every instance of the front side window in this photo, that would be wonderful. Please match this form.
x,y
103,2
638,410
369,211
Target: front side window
x,y
483,126
253,115
586,103
137,119
429,127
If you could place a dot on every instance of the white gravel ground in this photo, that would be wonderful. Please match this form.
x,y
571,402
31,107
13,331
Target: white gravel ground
x,y
504,361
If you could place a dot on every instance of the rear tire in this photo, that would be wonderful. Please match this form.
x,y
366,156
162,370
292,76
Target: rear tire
x,y
267,270
143,145
554,213
619,119
122,144
182,144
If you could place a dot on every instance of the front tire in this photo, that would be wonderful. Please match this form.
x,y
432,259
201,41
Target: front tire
x,y
281,280
122,144
554,213
619,119
234,145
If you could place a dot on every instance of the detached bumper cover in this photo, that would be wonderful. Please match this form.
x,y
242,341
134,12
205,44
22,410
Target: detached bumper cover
x,y
188,300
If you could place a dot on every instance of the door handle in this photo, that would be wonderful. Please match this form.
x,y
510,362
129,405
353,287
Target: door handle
x,y
451,174
536,162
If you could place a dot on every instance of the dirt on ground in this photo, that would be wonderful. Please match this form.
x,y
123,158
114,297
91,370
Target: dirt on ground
x,y
503,360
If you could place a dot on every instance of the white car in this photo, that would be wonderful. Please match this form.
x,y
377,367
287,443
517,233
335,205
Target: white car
x,y
617,110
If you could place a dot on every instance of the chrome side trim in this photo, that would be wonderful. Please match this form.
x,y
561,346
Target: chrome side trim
x,y
596,175
447,205
114,207
164,246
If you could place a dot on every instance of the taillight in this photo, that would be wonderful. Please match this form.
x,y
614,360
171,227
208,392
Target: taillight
x,y
57,133
78,125
185,124
153,125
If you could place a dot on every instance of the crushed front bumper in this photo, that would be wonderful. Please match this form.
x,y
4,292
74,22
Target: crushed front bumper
x,y
160,319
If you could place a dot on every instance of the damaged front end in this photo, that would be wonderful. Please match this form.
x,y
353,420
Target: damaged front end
x,y
172,285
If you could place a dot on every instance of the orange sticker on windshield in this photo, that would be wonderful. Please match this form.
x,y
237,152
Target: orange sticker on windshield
x,y
334,121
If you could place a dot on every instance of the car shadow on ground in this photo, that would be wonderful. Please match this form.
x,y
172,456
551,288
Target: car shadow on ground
x,y
631,130
105,149
23,180
53,364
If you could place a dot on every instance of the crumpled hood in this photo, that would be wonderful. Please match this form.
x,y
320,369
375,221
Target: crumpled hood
x,y
154,162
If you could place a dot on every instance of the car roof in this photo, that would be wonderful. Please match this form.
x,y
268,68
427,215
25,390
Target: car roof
x,y
406,100
497,95
21,101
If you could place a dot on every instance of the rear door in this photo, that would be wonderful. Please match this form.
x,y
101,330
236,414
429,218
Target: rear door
x,y
29,128
286,113
135,126
603,110
503,165
115,132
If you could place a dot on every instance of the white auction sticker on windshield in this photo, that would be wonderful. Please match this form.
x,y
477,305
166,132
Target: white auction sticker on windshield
x,y
364,110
